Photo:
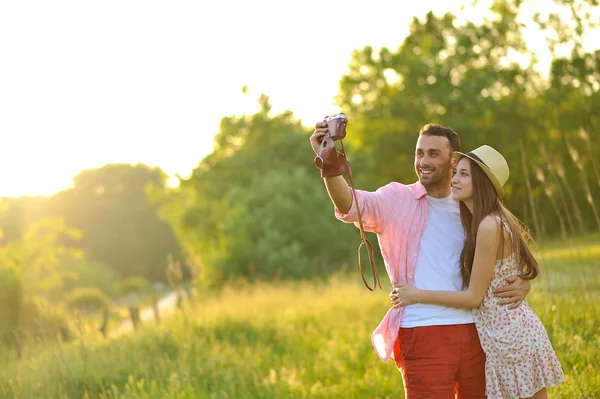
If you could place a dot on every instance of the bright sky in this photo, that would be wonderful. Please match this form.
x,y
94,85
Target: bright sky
x,y
84,83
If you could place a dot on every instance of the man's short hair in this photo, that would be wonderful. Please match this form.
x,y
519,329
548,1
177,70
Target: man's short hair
x,y
432,129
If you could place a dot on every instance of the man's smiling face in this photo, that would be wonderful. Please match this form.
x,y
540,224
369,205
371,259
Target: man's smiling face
x,y
433,161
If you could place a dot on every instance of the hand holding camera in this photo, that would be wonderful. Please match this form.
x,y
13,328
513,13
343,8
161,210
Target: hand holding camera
x,y
329,159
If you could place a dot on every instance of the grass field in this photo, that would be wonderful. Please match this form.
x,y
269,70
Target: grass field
x,y
295,340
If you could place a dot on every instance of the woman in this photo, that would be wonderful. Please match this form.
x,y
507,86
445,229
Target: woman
x,y
520,361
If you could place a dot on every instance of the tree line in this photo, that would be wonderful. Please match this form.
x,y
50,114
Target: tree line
x,y
256,208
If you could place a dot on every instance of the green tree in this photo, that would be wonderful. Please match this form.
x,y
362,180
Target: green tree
x,y
256,206
465,75
120,226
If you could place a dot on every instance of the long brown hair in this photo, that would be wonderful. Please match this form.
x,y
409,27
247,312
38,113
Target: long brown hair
x,y
485,202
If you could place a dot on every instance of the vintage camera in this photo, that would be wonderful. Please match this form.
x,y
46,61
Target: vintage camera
x,y
329,159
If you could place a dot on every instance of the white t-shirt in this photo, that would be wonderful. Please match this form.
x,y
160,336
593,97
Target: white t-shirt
x,y
438,265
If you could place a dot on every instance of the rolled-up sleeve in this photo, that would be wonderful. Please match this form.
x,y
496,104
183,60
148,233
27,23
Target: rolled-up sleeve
x,y
375,208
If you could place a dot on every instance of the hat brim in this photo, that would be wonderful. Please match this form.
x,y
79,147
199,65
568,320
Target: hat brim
x,y
499,189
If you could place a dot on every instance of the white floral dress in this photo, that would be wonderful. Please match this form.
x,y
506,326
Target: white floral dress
x,y
519,356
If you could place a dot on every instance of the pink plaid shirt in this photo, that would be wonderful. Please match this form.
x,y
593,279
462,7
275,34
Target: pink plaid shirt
x,y
397,213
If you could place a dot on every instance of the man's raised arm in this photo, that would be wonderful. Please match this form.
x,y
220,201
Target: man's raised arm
x,y
338,189
339,193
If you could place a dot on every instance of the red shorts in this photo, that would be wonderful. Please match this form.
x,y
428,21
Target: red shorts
x,y
441,362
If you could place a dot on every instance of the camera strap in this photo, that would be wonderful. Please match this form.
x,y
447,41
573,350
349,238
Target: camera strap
x,y
363,239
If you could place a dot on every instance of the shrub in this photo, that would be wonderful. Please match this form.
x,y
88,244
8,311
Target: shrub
x,y
41,318
88,299
11,297
80,273
133,285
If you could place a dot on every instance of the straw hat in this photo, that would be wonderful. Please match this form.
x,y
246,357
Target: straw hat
x,y
491,162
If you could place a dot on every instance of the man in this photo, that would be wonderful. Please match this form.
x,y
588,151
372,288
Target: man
x,y
420,234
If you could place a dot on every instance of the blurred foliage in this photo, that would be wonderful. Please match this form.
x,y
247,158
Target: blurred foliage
x,y
255,207
88,300
40,318
28,273
133,285
481,80
81,273
120,228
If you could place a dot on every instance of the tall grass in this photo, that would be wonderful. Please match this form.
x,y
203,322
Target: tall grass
x,y
296,340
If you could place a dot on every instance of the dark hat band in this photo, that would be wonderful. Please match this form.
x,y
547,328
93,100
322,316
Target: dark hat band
x,y
471,155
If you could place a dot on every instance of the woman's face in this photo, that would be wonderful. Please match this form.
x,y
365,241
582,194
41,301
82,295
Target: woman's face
x,y
462,183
